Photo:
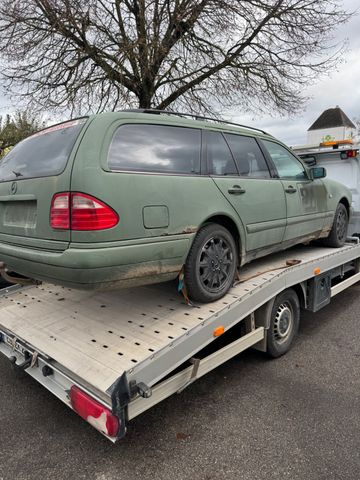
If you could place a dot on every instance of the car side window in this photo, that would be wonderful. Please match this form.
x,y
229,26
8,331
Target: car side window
x,y
155,148
220,160
286,164
249,158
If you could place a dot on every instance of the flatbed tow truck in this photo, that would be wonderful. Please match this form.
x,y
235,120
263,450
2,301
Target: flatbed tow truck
x,y
112,355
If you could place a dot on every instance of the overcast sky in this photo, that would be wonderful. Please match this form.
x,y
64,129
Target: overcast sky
x,y
341,88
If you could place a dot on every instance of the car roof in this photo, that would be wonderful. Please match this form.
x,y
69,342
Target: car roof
x,y
180,119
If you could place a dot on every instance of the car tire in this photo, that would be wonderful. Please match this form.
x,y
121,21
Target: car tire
x,y
284,323
338,232
211,264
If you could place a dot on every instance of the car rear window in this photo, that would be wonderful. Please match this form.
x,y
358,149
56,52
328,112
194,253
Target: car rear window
x,y
220,160
155,148
249,158
43,154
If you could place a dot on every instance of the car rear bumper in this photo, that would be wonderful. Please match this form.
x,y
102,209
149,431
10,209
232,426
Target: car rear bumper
x,y
86,267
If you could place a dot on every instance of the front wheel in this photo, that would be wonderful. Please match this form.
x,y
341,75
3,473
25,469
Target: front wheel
x,y
211,264
338,232
284,323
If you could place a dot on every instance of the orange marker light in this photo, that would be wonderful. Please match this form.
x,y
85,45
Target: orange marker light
x,y
218,331
317,271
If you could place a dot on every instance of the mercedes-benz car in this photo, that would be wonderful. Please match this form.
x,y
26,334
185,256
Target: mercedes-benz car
x,y
136,197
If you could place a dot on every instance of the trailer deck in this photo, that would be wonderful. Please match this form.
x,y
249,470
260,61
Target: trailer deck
x,y
93,339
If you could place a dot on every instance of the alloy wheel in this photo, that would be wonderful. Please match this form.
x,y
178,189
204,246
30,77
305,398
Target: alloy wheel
x,y
216,258
341,224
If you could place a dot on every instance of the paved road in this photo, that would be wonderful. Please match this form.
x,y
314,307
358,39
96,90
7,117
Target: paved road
x,y
297,417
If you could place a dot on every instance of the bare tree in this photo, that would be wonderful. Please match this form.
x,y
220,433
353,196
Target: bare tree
x,y
16,127
91,55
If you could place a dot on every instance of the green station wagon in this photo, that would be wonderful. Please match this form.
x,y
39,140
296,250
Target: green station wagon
x,y
136,197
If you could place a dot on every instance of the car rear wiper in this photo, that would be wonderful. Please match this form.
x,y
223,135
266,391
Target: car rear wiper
x,y
17,174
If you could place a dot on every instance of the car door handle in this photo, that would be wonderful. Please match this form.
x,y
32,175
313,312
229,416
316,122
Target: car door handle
x,y
290,189
236,190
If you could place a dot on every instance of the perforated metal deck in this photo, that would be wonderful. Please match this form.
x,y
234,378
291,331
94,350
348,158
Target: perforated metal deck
x,y
100,335
146,331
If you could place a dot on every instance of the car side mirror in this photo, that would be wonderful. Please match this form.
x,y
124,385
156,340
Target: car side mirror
x,y
317,172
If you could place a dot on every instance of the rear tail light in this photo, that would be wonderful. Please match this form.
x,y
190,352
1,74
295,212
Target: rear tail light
x,y
88,213
349,154
60,211
94,412
79,211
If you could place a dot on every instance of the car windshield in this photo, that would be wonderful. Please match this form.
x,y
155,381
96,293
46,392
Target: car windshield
x,y
43,154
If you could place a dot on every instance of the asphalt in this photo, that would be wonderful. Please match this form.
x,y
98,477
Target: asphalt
x,y
297,417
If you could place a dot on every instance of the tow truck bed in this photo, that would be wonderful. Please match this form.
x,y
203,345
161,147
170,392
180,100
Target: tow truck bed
x,y
105,341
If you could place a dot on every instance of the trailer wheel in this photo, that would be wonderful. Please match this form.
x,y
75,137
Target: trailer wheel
x,y
284,323
211,264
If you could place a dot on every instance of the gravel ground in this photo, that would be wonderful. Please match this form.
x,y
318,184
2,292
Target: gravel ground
x,y
296,417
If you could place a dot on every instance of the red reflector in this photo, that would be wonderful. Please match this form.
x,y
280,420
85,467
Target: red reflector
x,y
93,412
79,211
60,212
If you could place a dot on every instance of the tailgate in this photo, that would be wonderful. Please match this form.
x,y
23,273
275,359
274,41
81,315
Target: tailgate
x,y
30,174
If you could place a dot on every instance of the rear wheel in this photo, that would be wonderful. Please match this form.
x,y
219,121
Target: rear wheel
x,y
211,264
284,323
338,232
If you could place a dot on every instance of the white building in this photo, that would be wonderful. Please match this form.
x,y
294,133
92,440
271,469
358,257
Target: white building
x,y
333,124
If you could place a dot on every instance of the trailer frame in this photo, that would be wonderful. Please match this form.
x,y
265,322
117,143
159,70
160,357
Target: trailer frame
x,y
166,364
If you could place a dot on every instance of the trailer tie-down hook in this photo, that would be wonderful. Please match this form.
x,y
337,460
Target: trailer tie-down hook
x,y
29,362
182,287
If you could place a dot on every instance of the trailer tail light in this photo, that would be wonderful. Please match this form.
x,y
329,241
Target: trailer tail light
x,y
94,412
80,211
349,154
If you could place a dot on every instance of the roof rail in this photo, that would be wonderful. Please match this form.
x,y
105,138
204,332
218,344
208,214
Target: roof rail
x,y
196,117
